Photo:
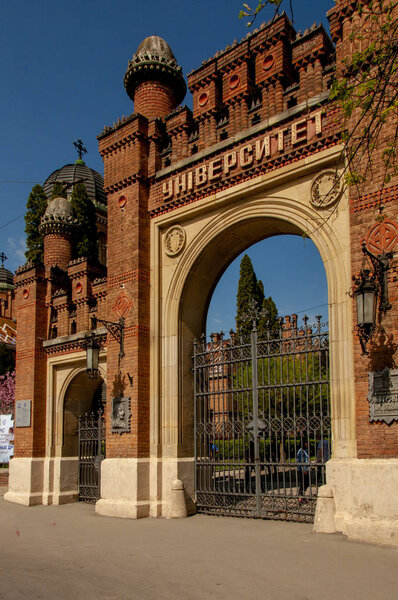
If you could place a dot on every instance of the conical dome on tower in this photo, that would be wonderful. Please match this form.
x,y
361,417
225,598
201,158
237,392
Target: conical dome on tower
x,y
154,80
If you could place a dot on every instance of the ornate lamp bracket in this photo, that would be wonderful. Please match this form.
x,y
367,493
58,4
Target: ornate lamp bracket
x,y
381,265
115,329
371,288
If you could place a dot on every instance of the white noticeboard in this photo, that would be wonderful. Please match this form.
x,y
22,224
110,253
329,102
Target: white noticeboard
x,y
6,438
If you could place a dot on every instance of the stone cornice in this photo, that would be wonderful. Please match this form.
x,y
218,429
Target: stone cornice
x,y
58,226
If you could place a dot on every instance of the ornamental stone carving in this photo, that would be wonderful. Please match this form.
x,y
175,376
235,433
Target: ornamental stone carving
x,y
122,305
58,217
382,237
174,241
326,189
120,416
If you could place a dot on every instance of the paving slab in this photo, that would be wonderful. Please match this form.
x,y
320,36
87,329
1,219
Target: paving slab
x,y
69,552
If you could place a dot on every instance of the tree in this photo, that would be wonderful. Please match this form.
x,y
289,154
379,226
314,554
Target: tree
x,y
36,206
59,191
366,90
86,231
365,87
7,394
268,323
248,288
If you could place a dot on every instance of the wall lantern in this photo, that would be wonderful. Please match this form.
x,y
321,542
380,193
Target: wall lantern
x,y
370,286
92,356
94,342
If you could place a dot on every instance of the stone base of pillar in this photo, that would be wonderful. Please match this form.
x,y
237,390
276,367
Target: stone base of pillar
x,y
163,472
366,498
61,480
25,483
124,488
325,511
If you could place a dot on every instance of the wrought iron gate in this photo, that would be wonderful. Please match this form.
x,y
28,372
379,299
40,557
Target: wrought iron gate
x,y
262,421
91,432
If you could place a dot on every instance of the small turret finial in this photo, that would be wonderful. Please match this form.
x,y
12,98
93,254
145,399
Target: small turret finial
x,y
80,147
3,257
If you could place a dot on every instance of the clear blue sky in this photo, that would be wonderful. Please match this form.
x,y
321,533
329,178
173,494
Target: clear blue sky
x,y
62,65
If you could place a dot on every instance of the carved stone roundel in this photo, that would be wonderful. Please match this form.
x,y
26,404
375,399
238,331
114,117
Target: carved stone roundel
x,y
325,189
382,237
174,241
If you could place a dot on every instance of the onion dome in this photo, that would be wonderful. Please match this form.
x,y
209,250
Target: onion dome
x,y
58,217
155,61
79,171
6,279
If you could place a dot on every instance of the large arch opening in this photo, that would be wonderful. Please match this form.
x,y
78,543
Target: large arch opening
x,y
262,426
197,293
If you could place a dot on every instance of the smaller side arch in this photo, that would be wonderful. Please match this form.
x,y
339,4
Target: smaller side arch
x,y
81,395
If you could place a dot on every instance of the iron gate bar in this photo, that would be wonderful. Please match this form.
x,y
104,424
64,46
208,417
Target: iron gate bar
x,y
91,453
256,404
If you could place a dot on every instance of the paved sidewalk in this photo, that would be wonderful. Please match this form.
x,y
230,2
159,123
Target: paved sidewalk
x,y
69,552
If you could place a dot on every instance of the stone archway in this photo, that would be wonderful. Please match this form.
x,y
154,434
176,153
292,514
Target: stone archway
x,y
238,218
83,396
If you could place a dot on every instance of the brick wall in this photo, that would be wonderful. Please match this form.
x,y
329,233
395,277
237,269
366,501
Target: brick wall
x,y
376,439
57,250
154,100
126,168
31,360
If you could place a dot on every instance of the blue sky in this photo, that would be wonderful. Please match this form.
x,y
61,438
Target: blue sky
x,y
62,66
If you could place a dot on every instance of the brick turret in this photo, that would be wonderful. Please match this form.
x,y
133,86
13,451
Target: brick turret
x,y
153,79
56,227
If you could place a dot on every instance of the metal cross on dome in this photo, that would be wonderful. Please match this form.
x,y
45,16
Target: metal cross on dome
x,y
3,257
80,147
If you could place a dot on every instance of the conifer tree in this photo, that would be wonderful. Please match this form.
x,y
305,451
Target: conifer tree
x,y
248,288
36,206
86,231
268,324
59,191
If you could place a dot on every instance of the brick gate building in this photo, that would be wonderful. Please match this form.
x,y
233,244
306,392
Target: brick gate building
x,y
187,191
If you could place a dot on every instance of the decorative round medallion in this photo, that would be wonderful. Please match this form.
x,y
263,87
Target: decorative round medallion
x,y
122,305
325,189
268,62
382,237
234,81
25,294
79,288
203,99
122,201
174,241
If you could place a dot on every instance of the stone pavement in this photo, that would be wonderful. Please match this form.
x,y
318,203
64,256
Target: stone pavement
x,y
68,552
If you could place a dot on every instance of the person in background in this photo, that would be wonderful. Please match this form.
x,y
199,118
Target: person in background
x,y
303,471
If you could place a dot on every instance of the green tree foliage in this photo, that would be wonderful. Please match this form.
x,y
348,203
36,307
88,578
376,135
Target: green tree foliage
x,y
293,382
36,206
268,324
86,231
59,191
248,287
